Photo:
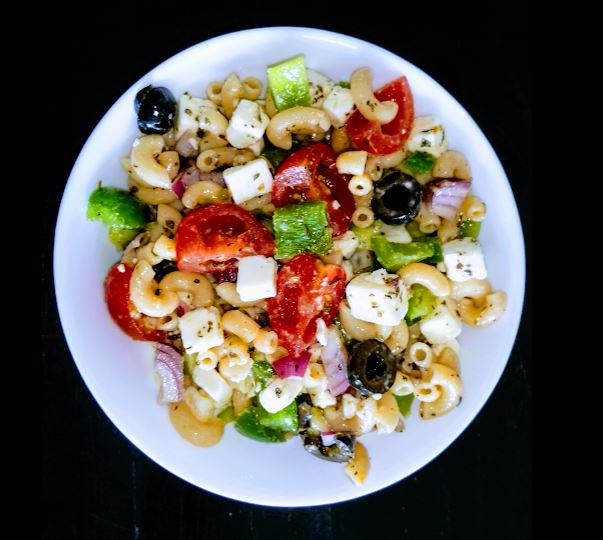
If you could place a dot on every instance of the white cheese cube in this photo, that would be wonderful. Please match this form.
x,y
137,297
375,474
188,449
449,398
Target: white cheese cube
x,y
258,147
280,393
464,260
349,405
256,278
201,330
441,325
213,383
378,297
427,135
189,108
339,105
320,87
248,181
347,244
247,124
322,398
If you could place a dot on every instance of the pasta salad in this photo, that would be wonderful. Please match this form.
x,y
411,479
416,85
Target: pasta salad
x,y
303,258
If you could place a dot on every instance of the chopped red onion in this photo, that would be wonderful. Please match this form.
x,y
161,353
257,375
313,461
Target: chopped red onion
x,y
335,360
187,145
445,195
327,438
292,367
169,366
191,176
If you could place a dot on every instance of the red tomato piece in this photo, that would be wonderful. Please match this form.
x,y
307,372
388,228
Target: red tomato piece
x,y
215,234
122,311
306,290
387,138
310,174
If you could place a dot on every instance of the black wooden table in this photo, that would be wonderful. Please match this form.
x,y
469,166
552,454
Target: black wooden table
x,y
98,485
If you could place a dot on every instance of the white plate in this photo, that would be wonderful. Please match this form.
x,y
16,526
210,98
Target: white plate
x,y
118,371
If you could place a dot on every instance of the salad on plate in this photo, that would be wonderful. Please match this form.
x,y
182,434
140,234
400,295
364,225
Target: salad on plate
x,y
303,259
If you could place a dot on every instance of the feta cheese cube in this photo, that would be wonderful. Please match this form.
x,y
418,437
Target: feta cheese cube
x,y
256,278
339,105
213,383
247,124
320,87
323,398
441,325
248,181
321,332
347,244
427,135
378,297
201,330
280,393
396,233
189,109
464,260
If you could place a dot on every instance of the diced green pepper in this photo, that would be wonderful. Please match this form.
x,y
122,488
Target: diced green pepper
x,y
227,415
302,228
121,213
267,222
288,83
469,228
366,234
344,84
283,420
419,163
275,155
262,372
404,403
420,304
190,363
394,256
414,231
248,424
437,256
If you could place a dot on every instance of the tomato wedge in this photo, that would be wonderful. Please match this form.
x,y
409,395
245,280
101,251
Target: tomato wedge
x,y
310,174
219,233
387,138
122,311
306,290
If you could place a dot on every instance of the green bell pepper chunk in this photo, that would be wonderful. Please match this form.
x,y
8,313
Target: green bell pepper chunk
x,y
189,363
404,403
420,304
121,213
344,84
366,234
302,228
419,163
469,228
248,424
283,420
288,83
262,372
394,256
437,256
227,415
414,231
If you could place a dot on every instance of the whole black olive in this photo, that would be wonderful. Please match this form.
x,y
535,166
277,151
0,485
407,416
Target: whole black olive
x,y
372,368
397,198
156,109
340,451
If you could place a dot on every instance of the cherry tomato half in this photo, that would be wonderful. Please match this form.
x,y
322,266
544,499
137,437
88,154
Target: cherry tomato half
x,y
219,233
387,138
306,290
310,174
117,297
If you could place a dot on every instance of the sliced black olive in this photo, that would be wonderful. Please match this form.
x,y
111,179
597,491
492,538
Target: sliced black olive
x,y
397,198
156,109
372,368
340,451
163,268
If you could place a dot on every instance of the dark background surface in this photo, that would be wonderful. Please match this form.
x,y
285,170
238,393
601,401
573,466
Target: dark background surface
x,y
98,485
